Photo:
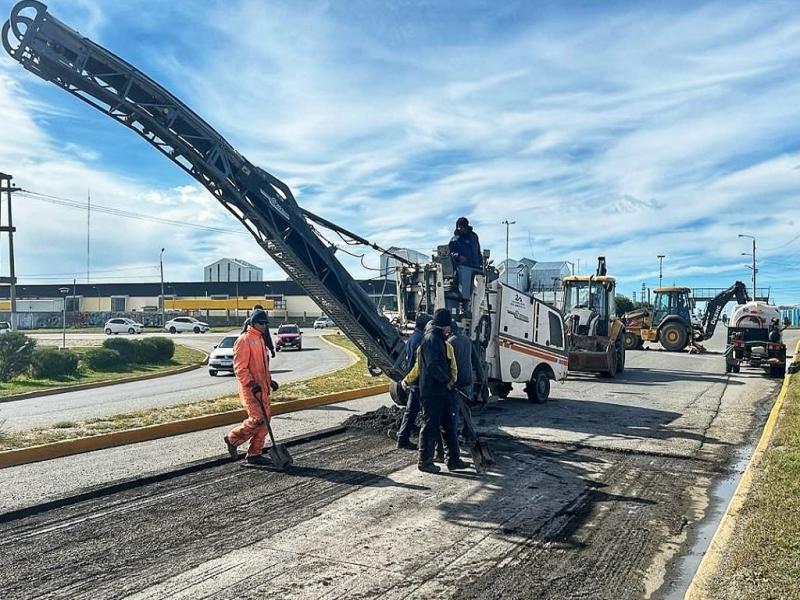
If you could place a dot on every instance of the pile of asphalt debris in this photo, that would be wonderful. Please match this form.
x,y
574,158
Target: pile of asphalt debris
x,y
378,421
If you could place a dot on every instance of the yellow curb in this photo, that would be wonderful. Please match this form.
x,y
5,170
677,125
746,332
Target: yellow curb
x,y
352,354
21,456
722,536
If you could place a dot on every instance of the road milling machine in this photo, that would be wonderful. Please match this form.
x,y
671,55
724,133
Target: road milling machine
x,y
670,323
518,338
594,332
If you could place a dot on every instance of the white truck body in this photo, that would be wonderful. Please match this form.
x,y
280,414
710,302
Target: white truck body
x,y
756,315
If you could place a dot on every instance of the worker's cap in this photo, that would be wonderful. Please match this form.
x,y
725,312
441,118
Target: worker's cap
x,y
258,316
462,222
442,318
422,320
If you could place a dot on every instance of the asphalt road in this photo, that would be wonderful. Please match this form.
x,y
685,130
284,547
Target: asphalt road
x,y
595,494
315,358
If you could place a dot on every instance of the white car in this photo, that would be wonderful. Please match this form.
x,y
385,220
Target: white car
x,y
5,327
121,325
221,358
185,324
323,322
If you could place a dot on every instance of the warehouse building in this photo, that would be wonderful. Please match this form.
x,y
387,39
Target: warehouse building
x,y
232,269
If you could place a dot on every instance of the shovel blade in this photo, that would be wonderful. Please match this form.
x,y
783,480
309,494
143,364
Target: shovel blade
x,y
280,456
481,455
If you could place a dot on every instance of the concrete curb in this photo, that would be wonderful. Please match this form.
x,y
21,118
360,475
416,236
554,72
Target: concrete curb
x,y
21,456
98,384
722,536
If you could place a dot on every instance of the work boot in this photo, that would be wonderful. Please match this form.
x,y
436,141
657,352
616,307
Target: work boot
x,y
457,465
439,458
258,461
428,468
406,445
231,448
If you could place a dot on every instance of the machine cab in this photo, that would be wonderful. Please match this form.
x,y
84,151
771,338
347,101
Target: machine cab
x,y
589,301
672,301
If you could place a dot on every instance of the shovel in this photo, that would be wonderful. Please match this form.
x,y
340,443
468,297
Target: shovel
x,y
482,457
278,453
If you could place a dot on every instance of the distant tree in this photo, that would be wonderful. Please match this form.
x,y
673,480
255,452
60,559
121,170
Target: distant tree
x,y
624,304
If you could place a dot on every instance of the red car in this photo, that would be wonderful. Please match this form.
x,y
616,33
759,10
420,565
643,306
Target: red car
x,y
289,336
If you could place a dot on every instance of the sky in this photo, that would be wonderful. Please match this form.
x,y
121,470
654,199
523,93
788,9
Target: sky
x,y
624,129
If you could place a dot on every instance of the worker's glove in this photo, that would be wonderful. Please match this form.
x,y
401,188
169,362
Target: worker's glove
x,y
274,385
450,386
404,385
255,388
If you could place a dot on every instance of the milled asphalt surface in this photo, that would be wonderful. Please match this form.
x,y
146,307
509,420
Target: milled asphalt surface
x,y
594,495
316,357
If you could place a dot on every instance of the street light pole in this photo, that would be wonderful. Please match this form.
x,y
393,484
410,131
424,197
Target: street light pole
x,y
64,291
161,265
661,258
508,224
755,270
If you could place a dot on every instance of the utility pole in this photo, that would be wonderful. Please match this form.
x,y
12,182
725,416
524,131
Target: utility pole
x,y
64,291
161,265
755,270
11,279
88,232
661,258
508,225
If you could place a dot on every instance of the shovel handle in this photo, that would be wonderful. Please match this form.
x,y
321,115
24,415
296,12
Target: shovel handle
x,y
266,419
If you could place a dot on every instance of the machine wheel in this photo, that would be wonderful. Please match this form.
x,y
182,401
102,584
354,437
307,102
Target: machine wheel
x,y
632,341
673,337
131,330
620,358
108,331
612,365
538,388
212,372
398,395
777,370
173,330
501,389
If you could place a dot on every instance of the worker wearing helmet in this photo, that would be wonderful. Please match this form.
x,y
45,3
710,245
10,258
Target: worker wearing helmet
x,y
251,366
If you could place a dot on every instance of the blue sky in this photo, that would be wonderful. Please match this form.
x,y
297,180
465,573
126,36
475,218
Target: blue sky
x,y
622,129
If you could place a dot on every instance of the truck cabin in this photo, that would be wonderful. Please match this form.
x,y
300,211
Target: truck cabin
x,y
672,301
591,293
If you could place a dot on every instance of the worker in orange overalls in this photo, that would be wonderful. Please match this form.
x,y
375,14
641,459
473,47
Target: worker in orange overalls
x,y
251,366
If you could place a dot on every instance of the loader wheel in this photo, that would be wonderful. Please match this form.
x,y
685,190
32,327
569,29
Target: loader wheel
x,y
613,357
632,341
538,388
673,337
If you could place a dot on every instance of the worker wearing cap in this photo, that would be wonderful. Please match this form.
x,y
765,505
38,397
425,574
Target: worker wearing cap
x,y
251,366
412,404
436,371
267,337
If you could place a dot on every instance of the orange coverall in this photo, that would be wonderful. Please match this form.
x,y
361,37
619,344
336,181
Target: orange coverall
x,y
251,364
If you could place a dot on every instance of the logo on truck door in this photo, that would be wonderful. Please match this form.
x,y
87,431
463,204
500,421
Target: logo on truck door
x,y
519,307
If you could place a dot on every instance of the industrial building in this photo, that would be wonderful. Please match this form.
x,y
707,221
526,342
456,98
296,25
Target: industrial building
x,y
91,305
232,269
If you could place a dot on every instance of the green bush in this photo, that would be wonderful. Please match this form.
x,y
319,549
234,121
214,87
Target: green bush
x,y
16,350
128,349
146,352
166,348
52,363
102,359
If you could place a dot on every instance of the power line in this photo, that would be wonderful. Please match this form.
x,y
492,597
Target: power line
x,y
77,204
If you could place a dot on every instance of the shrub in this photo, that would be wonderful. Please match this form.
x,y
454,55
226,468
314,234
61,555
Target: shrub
x,y
52,363
146,351
102,359
166,348
16,350
128,349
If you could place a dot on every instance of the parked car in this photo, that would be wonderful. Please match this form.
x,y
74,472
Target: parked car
x,y
323,322
5,327
120,325
185,324
221,357
289,335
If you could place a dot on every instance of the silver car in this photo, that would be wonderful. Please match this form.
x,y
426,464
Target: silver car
x,y
221,357
121,325
185,324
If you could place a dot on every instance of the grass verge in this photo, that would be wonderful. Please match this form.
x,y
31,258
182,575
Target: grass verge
x,y
349,378
763,558
183,356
